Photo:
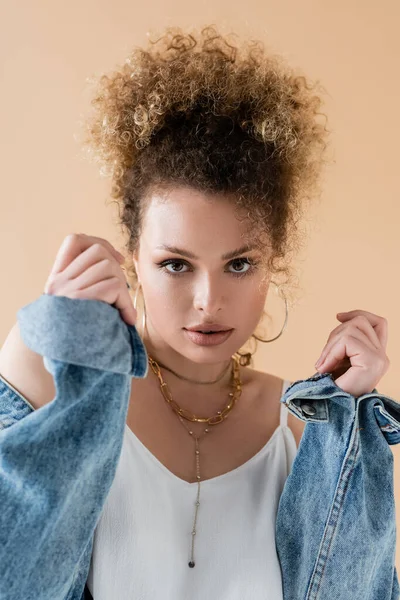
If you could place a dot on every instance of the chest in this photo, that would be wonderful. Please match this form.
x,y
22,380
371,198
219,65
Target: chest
x,y
227,445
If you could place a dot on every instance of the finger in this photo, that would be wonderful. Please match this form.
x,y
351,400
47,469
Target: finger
x,y
362,323
73,245
96,282
356,333
379,324
97,257
87,271
67,252
348,347
119,257
358,322
362,375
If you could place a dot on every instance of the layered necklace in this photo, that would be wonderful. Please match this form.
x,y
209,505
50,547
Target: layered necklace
x,y
185,415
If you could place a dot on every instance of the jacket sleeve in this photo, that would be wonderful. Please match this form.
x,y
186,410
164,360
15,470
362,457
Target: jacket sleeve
x,y
57,463
386,409
387,414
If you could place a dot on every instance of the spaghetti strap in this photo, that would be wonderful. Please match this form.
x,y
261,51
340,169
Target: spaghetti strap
x,y
284,410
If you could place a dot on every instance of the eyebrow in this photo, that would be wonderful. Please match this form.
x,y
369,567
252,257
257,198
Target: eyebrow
x,y
188,254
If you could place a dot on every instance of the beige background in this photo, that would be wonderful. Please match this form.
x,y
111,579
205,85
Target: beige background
x,y
351,258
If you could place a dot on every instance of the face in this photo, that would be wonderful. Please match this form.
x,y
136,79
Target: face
x,y
181,291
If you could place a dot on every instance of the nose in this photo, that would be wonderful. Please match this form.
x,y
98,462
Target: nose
x,y
209,295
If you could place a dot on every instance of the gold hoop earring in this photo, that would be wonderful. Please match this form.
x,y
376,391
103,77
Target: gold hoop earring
x,y
245,359
285,322
144,307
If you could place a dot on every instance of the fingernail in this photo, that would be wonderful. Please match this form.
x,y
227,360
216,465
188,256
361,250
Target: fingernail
x,y
317,364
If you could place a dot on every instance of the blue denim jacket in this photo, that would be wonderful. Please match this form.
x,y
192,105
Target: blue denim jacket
x,y
335,528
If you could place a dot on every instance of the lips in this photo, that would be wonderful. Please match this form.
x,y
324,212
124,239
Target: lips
x,y
206,329
209,330
208,339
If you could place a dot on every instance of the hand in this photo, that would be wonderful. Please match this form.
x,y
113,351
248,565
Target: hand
x,y
355,353
88,267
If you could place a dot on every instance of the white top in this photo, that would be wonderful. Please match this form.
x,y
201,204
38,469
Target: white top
x,y
142,541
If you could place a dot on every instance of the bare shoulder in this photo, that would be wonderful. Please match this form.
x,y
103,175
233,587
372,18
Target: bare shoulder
x,y
273,385
24,370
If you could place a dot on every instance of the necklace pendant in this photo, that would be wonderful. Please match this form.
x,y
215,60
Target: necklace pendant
x,y
183,414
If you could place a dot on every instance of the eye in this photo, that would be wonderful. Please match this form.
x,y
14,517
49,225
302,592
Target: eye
x,y
247,261
180,263
167,263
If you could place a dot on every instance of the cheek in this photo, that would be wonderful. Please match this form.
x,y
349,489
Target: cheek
x,y
252,304
247,305
164,301
254,294
255,305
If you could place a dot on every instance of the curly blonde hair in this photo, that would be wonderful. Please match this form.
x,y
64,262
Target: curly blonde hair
x,y
195,109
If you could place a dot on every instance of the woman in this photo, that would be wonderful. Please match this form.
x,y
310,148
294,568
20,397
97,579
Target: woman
x,y
214,152
212,147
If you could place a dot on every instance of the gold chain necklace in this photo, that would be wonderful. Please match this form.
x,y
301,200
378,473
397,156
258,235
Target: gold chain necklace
x,y
193,380
214,420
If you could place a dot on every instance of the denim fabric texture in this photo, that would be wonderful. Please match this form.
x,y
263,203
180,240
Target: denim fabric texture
x,y
335,527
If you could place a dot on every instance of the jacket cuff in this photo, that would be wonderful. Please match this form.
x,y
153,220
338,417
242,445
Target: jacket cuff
x,y
89,333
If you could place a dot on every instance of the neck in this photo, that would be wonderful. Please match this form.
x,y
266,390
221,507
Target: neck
x,y
198,398
202,400
204,376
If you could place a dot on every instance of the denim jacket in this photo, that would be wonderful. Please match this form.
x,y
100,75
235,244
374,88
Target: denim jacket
x,y
335,527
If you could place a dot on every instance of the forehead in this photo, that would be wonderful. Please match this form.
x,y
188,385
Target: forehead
x,y
190,218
